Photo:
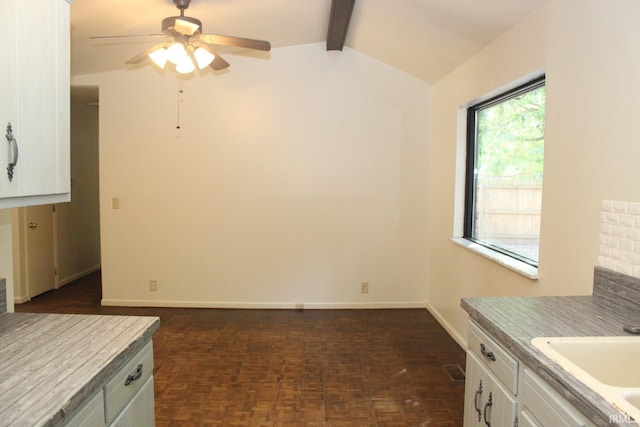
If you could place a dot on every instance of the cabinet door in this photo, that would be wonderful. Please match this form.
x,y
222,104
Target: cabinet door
x,y
8,89
34,78
526,420
546,407
139,412
474,388
43,94
490,406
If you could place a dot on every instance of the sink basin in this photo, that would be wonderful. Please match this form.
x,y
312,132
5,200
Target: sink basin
x,y
634,399
610,366
612,361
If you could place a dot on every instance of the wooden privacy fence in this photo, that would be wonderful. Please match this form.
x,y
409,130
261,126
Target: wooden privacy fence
x,y
508,211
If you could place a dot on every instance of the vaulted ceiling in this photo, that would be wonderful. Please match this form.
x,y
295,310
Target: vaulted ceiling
x,y
425,38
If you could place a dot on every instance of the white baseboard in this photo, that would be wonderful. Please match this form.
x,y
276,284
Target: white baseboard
x,y
356,305
77,276
462,342
21,299
258,305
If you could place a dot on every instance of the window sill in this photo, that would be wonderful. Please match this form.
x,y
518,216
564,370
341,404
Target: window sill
x,y
519,267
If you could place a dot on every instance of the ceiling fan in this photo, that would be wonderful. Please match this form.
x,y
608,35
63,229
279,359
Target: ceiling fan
x,y
187,47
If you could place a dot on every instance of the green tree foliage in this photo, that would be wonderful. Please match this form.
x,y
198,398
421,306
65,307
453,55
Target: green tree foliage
x,y
511,140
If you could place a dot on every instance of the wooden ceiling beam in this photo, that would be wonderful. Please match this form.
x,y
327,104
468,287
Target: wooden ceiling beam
x,y
339,23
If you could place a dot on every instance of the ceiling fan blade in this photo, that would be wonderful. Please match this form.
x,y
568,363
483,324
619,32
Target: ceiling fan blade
x,y
235,41
218,63
142,56
127,35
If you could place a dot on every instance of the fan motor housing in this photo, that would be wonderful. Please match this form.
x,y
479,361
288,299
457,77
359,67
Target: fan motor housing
x,y
169,23
182,4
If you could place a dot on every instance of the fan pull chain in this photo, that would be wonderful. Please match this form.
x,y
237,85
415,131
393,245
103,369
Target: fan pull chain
x,y
180,92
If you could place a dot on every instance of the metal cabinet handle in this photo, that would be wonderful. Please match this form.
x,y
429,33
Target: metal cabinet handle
x,y
476,404
488,354
487,407
135,376
33,225
13,151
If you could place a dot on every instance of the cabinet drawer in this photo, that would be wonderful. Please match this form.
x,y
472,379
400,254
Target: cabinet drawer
x,y
140,410
547,406
126,383
494,357
91,414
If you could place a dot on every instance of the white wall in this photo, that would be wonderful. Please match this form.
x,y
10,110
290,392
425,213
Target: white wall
x,y
591,147
291,180
78,222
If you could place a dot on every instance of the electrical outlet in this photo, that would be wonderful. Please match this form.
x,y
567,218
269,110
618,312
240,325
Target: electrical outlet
x,y
364,288
153,285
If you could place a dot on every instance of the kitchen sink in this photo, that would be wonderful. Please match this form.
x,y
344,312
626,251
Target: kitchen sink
x,y
634,399
613,361
610,366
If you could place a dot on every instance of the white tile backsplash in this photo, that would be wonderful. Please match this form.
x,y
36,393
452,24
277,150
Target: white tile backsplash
x,y
620,237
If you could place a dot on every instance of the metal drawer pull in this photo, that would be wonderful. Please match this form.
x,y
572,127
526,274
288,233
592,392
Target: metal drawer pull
x,y
475,401
488,354
13,148
134,376
487,407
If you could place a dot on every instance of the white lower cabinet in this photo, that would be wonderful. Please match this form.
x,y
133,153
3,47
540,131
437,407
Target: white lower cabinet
x,y
543,406
526,420
491,404
491,383
502,392
122,389
138,412
126,399
91,414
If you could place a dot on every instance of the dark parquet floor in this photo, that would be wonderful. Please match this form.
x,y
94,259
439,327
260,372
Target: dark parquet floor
x,y
221,367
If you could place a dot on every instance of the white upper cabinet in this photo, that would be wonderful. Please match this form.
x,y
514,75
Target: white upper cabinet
x,y
34,82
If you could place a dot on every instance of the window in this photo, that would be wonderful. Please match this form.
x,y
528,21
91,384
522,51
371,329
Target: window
x,y
505,152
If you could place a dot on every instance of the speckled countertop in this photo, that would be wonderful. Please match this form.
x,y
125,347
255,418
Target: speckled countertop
x,y
51,363
514,321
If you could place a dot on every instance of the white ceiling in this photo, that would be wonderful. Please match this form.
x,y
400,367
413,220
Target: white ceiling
x,y
425,38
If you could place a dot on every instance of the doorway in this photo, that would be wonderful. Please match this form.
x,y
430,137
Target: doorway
x,y
61,243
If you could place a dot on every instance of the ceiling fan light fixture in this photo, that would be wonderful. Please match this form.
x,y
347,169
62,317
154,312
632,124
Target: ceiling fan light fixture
x,y
187,47
176,53
159,57
203,57
185,66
